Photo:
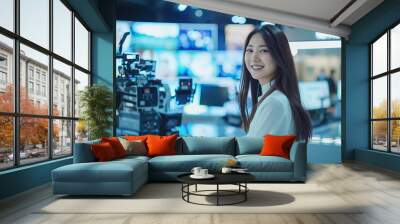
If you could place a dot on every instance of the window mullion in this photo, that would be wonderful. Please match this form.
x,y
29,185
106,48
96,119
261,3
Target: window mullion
x,y
16,84
371,137
50,81
389,106
73,81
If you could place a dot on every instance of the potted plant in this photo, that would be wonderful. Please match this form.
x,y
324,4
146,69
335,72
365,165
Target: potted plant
x,y
96,104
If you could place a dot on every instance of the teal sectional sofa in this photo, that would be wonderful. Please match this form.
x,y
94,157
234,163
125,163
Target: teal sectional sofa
x,y
125,176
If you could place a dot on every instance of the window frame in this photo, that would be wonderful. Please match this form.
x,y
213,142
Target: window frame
x,y
16,114
388,74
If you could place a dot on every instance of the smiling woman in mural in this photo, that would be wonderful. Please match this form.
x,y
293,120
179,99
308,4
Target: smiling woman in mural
x,y
270,76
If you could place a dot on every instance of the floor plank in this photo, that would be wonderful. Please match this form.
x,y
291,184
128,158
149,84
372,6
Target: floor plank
x,y
378,190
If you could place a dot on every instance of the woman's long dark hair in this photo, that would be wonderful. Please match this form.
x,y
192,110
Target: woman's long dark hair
x,y
285,81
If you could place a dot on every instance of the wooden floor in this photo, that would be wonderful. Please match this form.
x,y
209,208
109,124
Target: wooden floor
x,y
378,188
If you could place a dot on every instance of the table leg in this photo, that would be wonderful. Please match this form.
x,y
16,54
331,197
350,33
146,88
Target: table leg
x,y
217,194
245,193
196,188
188,189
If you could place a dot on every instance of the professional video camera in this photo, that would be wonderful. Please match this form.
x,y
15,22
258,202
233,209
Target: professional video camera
x,y
143,101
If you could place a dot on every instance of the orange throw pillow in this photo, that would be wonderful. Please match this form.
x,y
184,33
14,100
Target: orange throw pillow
x,y
135,138
161,145
116,145
103,151
277,145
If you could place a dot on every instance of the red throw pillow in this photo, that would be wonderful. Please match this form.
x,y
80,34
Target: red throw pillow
x,y
161,145
116,145
277,145
103,151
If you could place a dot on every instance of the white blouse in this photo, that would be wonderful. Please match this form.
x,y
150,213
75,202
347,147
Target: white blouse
x,y
273,115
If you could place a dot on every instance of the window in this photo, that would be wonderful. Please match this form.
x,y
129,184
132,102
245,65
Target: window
x,y
7,141
81,81
33,148
3,78
43,90
7,14
395,47
3,61
62,130
62,74
81,45
385,96
35,22
3,72
55,103
30,72
30,87
37,74
54,125
6,74
37,89
62,29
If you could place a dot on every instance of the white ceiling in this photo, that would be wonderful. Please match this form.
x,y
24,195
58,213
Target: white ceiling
x,y
317,15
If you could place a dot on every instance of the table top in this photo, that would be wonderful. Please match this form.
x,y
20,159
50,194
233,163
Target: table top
x,y
220,178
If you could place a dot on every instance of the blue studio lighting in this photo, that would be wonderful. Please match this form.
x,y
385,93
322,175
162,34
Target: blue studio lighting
x,y
182,7
198,13
238,19
266,23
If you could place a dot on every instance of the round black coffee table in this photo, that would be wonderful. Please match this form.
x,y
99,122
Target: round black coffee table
x,y
238,179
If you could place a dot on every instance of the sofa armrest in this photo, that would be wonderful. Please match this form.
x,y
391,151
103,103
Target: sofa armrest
x,y
298,155
83,152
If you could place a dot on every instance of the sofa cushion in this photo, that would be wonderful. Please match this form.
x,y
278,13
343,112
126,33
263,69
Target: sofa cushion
x,y
132,158
83,152
208,145
111,171
185,163
249,145
257,163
